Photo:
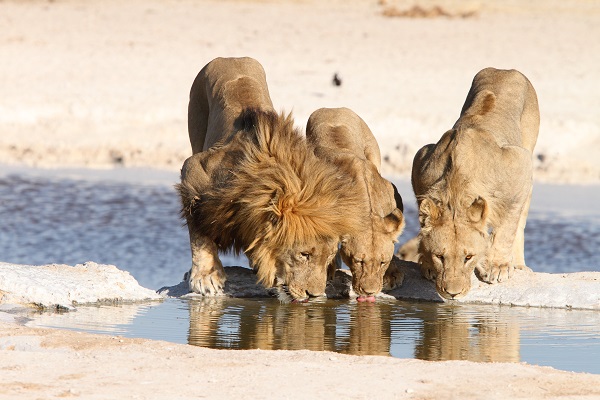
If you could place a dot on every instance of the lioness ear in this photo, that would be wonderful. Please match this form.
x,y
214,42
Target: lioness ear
x,y
394,222
429,213
478,211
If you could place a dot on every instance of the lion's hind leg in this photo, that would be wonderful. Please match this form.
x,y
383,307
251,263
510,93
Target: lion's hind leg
x,y
207,276
519,244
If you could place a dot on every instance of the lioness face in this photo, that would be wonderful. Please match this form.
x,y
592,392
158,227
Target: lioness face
x,y
302,270
368,259
449,254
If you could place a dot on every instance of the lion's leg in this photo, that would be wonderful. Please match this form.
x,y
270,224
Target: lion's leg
x,y
519,244
507,248
207,276
500,264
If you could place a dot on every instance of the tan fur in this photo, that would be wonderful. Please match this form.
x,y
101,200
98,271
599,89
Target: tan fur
x,y
409,251
342,138
474,186
253,186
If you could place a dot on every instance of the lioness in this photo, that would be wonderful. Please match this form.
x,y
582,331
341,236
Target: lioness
x,y
474,186
253,186
344,139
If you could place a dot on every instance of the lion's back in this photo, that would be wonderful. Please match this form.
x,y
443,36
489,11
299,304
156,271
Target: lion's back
x,y
222,90
489,149
341,130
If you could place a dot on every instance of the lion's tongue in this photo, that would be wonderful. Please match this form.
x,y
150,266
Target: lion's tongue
x,y
369,299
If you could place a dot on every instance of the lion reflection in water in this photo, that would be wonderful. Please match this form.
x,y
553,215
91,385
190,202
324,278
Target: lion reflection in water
x,y
444,333
259,324
458,334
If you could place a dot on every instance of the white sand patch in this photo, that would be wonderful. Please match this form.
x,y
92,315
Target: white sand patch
x,y
64,286
96,85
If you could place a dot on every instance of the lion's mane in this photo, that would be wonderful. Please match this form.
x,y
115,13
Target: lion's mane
x,y
278,193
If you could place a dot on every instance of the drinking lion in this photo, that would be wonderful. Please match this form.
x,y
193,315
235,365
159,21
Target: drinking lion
x,y
253,185
474,185
341,137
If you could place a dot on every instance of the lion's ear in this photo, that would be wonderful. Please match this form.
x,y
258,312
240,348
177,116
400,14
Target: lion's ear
x,y
394,223
429,213
478,211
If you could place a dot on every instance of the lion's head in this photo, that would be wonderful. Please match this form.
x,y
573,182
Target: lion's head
x,y
301,269
453,242
368,253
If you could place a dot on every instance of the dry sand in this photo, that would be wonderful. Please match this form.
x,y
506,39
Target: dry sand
x,y
104,84
45,363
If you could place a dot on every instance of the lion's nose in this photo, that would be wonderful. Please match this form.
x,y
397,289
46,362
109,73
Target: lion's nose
x,y
315,294
452,292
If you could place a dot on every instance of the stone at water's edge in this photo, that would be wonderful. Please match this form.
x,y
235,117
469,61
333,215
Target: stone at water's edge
x,y
64,286
241,283
579,290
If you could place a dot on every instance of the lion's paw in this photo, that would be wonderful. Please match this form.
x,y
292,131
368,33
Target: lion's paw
x,y
393,277
496,273
211,284
524,268
428,273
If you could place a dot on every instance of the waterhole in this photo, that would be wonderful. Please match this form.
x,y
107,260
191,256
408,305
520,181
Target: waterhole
x,y
563,339
72,218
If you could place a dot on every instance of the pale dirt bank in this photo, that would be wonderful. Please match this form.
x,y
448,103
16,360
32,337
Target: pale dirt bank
x,y
106,83
46,363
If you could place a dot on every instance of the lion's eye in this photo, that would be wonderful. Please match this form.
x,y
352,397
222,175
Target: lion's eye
x,y
305,255
440,257
468,257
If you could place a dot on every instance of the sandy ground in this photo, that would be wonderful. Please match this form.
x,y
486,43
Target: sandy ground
x,y
103,84
44,364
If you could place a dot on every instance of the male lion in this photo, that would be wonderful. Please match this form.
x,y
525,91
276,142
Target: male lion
x,y
253,186
474,186
342,138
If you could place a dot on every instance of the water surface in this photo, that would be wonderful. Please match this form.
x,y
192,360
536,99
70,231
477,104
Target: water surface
x,y
563,339
136,226
133,222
